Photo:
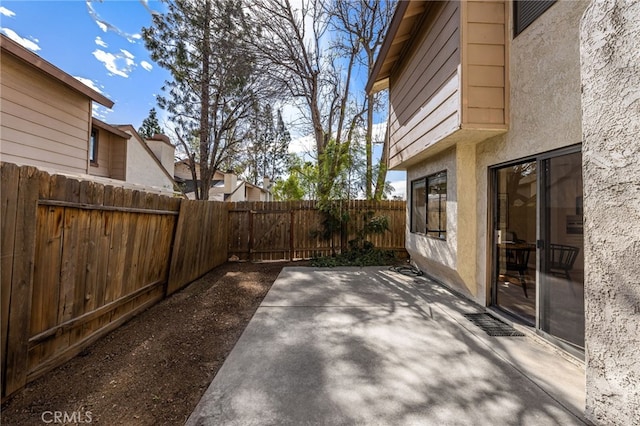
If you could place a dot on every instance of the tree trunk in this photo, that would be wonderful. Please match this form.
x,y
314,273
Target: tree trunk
x,y
384,165
369,147
205,173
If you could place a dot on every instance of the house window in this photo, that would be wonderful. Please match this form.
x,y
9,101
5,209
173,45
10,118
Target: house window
x,y
93,147
527,11
429,205
419,206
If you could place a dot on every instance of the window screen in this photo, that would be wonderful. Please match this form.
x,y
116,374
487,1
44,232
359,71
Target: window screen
x,y
527,11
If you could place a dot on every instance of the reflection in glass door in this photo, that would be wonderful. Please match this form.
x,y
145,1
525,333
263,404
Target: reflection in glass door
x,y
515,236
538,262
561,260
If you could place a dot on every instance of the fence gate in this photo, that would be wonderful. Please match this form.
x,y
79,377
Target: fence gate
x,y
271,237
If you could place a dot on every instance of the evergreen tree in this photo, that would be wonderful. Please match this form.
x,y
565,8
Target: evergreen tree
x,y
267,153
150,125
214,78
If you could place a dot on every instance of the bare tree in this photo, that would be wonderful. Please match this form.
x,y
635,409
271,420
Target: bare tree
x,y
290,38
314,49
362,24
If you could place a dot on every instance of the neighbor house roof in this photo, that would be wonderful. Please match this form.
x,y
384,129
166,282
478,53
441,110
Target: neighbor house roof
x,y
109,128
402,28
136,135
11,47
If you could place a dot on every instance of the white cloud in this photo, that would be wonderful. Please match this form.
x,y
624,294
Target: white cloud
x,y
113,63
303,145
101,42
145,3
88,82
6,12
26,43
106,26
102,26
146,65
127,54
399,189
100,112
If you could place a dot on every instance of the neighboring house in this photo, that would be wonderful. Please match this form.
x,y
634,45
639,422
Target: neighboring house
x,y
46,122
224,186
46,113
107,151
485,116
144,165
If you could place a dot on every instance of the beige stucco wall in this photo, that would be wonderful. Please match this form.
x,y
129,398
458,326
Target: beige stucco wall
x,y
42,123
611,170
438,258
545,114
545,105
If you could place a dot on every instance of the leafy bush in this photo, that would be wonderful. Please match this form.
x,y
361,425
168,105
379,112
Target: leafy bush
x,y
361,252
372,257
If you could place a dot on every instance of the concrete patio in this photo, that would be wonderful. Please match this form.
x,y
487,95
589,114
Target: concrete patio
x,y
371,346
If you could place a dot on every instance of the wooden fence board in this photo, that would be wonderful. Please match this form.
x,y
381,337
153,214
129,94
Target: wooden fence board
x,y
260,231
9,196
201,238
80,258
65,248
21,280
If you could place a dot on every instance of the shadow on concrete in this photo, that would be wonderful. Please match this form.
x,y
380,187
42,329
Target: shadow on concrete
x,y
370,346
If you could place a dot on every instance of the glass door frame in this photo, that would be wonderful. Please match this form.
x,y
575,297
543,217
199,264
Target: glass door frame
x,y
541,211
541,235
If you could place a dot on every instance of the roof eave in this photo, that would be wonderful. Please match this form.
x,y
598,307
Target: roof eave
x,y
11,47
110,128
373,84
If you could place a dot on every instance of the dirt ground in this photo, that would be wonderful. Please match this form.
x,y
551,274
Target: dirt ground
x,y
154,369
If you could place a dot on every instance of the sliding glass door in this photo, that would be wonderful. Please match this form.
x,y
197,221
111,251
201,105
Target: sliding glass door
x,y
515,236
538,263
561,277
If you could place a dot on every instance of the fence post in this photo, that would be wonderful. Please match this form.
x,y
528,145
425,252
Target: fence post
x,y
21,282
176,262
291,229
251,234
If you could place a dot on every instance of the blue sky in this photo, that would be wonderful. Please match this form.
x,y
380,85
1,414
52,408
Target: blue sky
x,y
99,42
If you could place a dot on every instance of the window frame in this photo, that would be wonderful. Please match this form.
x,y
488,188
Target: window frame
x,y
439,232
93,147
411,213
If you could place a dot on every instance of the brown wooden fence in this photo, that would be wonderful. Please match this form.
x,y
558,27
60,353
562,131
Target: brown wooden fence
x,y
80,258
291,230
200,243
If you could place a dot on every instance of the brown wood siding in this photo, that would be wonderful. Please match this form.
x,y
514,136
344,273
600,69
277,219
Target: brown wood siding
x,y
424,94
118,158
484,86
103,166
111,156
42,122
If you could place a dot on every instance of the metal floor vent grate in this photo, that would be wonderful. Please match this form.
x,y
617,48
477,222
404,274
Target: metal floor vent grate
x,y
492,325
